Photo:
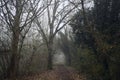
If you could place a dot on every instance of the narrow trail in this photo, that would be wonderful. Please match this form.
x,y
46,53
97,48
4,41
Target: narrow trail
x,y
63,73
58,73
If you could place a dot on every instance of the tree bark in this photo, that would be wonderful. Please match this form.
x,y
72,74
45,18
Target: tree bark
x,y
107,75
68,56
50,52
84,13
14,62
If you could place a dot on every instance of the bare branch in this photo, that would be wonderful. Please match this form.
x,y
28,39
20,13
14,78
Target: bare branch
x,y
63,18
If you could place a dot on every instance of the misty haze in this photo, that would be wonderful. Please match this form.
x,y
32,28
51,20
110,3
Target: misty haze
x,y
59,39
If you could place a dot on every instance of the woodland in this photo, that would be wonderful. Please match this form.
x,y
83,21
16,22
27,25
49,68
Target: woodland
x,y
59,40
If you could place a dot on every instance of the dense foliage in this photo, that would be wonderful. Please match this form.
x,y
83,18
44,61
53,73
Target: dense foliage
x,y
98,39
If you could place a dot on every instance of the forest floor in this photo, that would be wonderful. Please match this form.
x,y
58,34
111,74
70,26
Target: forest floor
x,y
58,73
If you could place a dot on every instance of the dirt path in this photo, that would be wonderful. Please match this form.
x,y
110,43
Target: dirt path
x,y
63,73
58,73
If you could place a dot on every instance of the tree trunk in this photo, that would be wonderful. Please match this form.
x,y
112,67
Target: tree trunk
x,y
13,67
68,59
105,64
107,71
84,13
50,53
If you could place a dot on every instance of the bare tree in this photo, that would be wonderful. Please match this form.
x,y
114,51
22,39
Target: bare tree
x,y
57,18
18,16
